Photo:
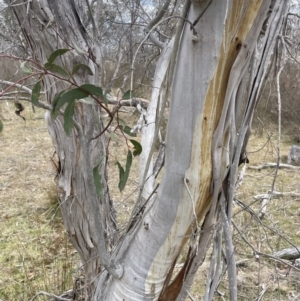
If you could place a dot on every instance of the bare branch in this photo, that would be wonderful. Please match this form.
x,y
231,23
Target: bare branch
x,y
154,21
27,90
276,194
261,253
289,254
274,165
49,295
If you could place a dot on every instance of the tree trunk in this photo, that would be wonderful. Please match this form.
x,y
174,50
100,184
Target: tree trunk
x,y
209,126
208,129
47,27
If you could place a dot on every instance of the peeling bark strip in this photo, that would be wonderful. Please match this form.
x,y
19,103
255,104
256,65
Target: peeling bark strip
x,y
208,129
47,26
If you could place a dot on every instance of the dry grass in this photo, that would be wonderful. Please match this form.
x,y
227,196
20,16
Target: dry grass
x,y
35,254
34,251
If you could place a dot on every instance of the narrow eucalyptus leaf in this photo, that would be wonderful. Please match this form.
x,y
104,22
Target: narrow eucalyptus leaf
x,y
113,137
68,117
83,67
87,100
69,96
55,112
36,92
93,90
127,95
55,54
124,178
1,126
137,147
56,69
127,130
122,122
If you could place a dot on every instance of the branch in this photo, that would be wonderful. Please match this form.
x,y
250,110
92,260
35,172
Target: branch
x,y
276,194
27,90
280,65
154,21
201,14
50,295
132,102
95,27
289,254
216,267
229,251
292,14
274,165
114,269
14,98
256,252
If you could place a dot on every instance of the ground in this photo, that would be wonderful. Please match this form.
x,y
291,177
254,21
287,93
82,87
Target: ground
x,y
35,254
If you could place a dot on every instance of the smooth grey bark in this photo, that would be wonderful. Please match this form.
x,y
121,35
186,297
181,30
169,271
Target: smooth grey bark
x,y
147,176
236,124
170,216
208,130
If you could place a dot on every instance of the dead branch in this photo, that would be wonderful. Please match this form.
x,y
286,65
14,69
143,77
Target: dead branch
x,y
133,102
276,194
289,254
243,262
256,252
274,165
50,295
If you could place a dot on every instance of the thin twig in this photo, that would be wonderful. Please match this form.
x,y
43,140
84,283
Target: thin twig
x,y
49,295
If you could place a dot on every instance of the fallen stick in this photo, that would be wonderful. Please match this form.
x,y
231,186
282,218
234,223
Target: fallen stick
x,y
276,194
274,165
289,254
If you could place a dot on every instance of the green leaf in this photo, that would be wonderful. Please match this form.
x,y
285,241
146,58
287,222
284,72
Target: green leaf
x,y
82,66
123,174
97,178
68,117
93,90
54,112
122,122
137,148
69,96
55,54
36,91
56,69
1,126
87,100
113,136
127,130
127,95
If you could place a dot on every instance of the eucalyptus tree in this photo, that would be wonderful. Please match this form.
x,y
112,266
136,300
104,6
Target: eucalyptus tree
x,y
219,58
